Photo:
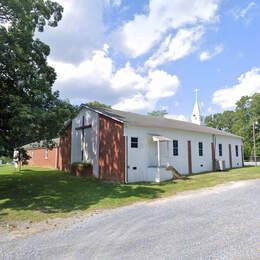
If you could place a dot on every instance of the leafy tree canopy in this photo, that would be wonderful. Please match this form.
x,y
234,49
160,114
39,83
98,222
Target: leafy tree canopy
x,y
240,121
29,109
98,104
158,113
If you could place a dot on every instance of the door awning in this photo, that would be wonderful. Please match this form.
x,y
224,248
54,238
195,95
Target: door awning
x,y
160,138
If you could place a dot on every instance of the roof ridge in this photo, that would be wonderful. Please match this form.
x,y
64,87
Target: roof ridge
x,y
117,115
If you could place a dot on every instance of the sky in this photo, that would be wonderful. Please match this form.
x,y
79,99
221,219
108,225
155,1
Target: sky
x,y
145,55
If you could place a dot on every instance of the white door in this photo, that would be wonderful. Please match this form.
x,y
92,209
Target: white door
x,y
164,153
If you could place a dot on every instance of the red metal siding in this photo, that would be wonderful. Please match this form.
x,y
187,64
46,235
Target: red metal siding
x,y
38,157
58,157
111,150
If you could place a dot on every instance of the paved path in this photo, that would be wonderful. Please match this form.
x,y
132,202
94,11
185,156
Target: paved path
x,y
219,223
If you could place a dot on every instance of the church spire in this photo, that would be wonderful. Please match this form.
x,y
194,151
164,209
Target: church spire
x,y
196,117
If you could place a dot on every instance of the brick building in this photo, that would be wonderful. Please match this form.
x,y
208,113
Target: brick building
x,y
58,157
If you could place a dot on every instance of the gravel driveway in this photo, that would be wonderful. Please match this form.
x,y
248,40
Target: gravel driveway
x,y
218,223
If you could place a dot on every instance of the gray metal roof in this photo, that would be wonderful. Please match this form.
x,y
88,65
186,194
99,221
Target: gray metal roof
x,y
41,144
151,121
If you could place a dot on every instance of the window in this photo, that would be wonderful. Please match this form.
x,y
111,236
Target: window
x,y
175,148
82,155
200,149
220,149
236,147
46,153
134,142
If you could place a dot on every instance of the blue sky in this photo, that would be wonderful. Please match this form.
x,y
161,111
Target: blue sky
x,y
145,55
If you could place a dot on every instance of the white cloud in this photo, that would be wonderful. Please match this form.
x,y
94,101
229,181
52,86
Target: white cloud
x,y
127,78
161,84
96,78
239,13
207,55
178,117
174,48
139,35
248,84
135,103
96,70
158,84
80,31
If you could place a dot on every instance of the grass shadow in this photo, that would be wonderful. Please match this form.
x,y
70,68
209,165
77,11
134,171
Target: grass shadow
x,y
58,192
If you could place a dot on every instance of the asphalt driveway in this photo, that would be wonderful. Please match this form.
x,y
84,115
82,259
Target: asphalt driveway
x,y
218,223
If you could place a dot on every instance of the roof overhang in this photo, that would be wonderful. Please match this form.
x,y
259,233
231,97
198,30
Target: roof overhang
x,y
160,138
100,112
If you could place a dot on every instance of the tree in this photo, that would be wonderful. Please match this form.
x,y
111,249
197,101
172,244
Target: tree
x,y
240,121
29,109
158,113
21,157
222,121
98,104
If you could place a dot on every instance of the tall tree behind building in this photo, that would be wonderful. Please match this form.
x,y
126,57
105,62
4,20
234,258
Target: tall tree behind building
x,y
158,113
29,109
240,121
98,104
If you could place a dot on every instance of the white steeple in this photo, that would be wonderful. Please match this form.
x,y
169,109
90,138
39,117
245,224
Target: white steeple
x,y
196,117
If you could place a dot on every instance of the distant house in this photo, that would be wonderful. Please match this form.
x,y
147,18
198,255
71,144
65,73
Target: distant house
x,y
129,147
56,157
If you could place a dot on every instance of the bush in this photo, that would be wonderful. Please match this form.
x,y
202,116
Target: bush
x,y
6,159
81,164
81,169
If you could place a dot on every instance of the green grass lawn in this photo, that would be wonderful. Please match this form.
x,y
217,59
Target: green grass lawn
x,y
36,194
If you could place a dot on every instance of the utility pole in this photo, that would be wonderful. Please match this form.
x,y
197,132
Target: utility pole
x,y
254,123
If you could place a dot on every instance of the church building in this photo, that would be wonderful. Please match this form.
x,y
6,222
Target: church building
x,y
128,147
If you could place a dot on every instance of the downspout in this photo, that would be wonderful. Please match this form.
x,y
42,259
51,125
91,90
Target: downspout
x,y
126,153
213,153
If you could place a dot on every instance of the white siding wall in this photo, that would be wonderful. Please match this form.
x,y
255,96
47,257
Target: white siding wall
x,y
90,144
146,153
225,141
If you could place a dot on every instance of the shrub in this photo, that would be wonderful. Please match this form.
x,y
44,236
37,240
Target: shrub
x,y
81,169
6,159
81,164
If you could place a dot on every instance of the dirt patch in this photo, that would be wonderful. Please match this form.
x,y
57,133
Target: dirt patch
x,y
19,229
